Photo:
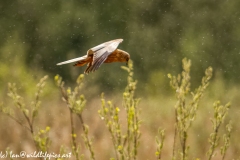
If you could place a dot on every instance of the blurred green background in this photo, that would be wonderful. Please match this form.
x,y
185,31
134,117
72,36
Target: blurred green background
x,y
158,34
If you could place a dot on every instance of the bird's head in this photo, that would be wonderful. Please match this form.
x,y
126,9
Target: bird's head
x,y
123,56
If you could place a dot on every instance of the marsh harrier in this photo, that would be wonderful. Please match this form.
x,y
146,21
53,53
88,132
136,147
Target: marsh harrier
x,y
104,53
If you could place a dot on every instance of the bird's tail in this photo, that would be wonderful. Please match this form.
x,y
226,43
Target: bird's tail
x,y
83,62
79,61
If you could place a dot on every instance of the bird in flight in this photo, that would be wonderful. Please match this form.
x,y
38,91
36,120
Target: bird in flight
x,y
104,53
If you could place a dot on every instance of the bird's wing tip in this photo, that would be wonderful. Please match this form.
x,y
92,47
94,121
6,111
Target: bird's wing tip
x,y
119,40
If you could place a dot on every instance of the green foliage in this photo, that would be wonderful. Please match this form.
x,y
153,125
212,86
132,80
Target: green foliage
x,y
19,103
29,113
130,105
160,142
124,127
186,111
125,142
42,139
74,100
220,113
37,102
76,103
110,115
226,139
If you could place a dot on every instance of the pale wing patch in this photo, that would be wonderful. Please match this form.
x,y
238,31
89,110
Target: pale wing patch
x,y
105,52
101,55
103,45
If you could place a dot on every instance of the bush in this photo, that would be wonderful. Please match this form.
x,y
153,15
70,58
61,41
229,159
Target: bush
x,y
124,127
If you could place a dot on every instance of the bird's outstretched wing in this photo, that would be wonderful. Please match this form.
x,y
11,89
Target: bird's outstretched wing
x,y
73,60
103,45
101,52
